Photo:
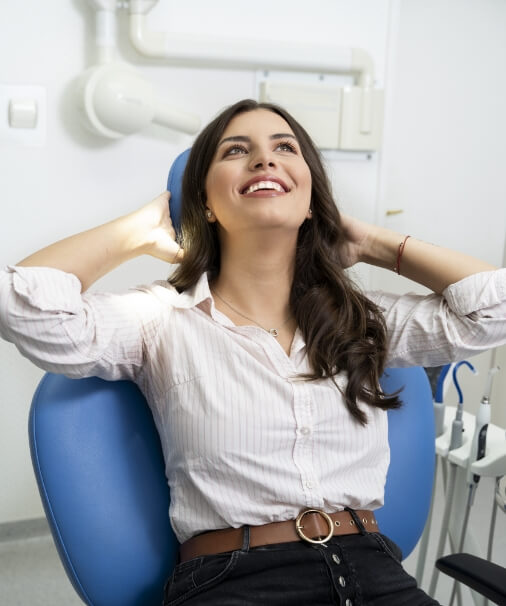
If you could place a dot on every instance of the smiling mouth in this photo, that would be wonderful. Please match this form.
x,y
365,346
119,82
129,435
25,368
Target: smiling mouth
x,y
264,186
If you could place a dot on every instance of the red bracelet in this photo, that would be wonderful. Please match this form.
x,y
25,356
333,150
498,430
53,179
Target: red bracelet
x,y
397,267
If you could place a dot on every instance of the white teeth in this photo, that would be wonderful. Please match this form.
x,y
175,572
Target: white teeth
x,y
264,185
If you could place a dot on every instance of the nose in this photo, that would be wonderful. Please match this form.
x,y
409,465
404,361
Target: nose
x,y
262,158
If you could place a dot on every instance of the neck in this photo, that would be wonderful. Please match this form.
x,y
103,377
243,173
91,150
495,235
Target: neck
x,y
257,277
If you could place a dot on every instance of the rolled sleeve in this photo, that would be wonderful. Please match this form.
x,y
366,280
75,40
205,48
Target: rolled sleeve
x,y
478,293
43,312
467,319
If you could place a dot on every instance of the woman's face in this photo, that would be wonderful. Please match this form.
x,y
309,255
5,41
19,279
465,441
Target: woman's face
x,y
258,177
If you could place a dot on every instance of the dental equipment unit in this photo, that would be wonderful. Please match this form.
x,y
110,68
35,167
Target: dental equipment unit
x,y
477,452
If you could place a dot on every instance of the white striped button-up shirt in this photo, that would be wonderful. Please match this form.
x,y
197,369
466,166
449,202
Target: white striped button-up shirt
x,y
245,440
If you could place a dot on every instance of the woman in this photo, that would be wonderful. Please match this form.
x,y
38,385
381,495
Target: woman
x,y
260,361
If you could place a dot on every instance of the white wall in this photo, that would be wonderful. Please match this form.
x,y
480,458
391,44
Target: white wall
x,y
437,154
444,155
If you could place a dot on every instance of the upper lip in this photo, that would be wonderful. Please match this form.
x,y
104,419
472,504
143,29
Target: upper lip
x,y
264,178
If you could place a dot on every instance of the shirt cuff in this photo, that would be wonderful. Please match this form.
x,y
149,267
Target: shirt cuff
x,y
47,288
476,292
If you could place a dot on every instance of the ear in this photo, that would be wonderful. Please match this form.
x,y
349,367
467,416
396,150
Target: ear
x,y
210,216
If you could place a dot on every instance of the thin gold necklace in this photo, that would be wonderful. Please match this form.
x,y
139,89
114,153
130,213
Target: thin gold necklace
x,y
272,331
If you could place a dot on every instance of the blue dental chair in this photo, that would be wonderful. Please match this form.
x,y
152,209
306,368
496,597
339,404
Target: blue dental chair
x,y
100,471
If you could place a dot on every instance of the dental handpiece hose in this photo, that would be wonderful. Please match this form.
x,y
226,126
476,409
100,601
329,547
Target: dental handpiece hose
x,y
439,405
457,424
439,417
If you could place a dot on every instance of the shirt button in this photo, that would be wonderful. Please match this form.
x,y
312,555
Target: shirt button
x,y
309,484
342,581
348,602
336,558
305,431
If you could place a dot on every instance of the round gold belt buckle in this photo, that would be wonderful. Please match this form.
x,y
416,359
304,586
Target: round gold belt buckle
x,y
299,526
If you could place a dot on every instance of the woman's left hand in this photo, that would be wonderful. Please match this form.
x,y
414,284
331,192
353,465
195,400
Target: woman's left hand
x,y
429,265
358,236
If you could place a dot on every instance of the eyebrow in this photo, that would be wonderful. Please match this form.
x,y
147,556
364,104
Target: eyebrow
x,y
245,139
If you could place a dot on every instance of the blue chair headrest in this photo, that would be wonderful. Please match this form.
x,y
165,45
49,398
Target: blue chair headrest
x,y
175,186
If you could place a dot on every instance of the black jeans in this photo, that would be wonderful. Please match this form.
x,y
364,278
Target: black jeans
x,y
351,570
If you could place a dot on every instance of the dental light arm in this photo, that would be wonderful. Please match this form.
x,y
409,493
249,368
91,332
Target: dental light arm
x,y
105,29
116,101
213,51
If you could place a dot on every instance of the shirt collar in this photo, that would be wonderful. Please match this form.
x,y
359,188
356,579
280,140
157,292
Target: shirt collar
x,y
199,295
193,296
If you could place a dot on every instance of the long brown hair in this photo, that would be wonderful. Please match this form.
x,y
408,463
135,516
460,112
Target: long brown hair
x,y
343,330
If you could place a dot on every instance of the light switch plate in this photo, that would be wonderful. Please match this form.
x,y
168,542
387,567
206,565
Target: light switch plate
x,y
23,136
23,113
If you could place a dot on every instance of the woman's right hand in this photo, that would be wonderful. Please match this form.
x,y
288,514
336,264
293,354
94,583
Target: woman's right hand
x,y
91,254
154,226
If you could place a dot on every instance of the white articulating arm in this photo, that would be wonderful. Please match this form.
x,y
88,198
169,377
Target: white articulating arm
x,y
234,53
116,101
355,113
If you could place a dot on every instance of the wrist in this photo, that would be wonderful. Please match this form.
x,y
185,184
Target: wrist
x,y
150,232
382,248
138,231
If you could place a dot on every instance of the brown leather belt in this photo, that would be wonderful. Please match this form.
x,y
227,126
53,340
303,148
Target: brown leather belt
x,y
312,525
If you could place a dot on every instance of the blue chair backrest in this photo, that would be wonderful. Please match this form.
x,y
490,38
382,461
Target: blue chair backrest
x,y
411,435
175,186
100,470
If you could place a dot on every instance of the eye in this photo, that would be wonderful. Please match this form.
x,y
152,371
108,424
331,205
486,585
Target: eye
x,y
235,149
286,146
